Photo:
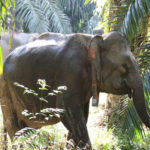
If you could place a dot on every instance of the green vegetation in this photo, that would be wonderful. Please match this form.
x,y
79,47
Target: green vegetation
x,y
51,137
65,16
132,18
54,137
109,137
3,17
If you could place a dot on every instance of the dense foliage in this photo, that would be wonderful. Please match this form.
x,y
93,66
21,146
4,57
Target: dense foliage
x,y
63,16
132,18
4,6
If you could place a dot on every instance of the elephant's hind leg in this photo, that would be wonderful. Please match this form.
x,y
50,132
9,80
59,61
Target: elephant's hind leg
x,y
10,120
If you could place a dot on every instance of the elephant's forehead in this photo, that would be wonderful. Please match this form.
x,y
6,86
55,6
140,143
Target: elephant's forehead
x,y
118,49
121,57
113,35
115,40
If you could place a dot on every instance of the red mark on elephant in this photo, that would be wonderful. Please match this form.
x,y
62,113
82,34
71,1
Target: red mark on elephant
x,y
91,53
94,84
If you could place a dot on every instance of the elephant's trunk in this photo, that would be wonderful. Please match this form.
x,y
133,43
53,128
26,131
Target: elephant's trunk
x,y
139,103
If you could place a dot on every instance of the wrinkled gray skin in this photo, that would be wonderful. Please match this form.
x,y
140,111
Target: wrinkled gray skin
x,y
64,61
17,39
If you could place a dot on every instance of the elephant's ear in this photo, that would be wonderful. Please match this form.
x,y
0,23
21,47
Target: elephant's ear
x,y
94,54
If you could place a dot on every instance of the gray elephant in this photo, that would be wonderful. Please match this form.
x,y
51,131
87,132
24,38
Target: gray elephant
x,y
69,60
10,42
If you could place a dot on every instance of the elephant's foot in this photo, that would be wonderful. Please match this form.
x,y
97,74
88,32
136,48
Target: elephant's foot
x,y
70,144
84,146
78,136
81,145
11,127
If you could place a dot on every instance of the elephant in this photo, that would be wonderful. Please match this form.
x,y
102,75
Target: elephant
x,y
69,60
10,42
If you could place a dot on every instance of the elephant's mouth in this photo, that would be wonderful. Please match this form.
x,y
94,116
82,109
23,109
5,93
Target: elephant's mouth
x,y
130,93
124,90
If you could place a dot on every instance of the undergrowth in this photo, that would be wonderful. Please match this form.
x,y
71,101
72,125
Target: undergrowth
x,y
55,137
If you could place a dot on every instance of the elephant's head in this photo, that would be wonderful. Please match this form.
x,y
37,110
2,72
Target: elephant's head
x,y
119,72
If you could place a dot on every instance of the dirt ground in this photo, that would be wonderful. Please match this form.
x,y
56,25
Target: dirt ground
x,y
96,114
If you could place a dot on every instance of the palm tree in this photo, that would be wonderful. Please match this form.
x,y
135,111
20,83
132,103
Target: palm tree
x,y
4,6
131,17
80,14
42,16
64,16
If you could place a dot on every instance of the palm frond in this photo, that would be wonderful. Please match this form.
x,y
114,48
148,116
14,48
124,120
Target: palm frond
x,y
88,26
31,14
142,52
147,96
129,121
64,16
147,88
42,16
79,13
58,21
30,138
147,82
131,17
128,16
135,16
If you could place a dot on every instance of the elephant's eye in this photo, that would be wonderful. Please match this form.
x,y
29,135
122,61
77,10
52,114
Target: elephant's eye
x,y
124,69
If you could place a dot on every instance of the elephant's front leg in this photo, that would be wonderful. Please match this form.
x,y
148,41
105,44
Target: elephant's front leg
x,y
75,121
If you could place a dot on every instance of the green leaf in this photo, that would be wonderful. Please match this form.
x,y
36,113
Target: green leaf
x,y
62,88
57,92
42,16
51,94
86,2
148,4
134,14
141,10
43,99
130,121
